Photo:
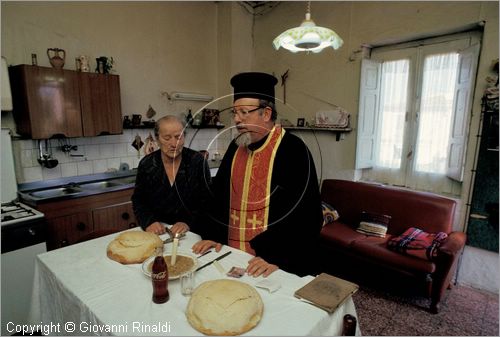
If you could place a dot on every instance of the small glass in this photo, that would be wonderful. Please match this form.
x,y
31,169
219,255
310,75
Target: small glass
x,y
187,283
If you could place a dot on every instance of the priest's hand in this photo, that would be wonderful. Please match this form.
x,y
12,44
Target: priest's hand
x,y
156,228
258,266
179,227
202,246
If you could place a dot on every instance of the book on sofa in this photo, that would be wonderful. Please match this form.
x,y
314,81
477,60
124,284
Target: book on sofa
x,y
327,292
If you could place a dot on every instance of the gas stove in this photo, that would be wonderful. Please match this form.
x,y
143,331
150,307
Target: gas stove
x,y
15,212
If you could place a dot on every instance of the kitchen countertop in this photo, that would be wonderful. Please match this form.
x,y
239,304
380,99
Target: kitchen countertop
x,y
26,190
37,192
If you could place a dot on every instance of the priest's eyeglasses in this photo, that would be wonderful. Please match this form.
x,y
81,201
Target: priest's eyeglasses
x,y
242,113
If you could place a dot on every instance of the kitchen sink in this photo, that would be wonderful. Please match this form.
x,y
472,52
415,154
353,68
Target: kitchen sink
x,y
100,185
76,189
126,180
55,192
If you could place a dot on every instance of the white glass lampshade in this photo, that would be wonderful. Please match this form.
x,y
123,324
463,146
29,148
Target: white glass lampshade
x,y
308,37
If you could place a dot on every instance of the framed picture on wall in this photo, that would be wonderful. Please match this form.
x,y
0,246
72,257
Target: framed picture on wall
x,y
300,121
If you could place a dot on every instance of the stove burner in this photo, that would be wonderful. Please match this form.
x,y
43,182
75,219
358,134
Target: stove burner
x,y
13,212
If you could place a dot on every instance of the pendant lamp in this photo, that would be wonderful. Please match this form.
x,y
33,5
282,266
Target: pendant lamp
x,y
308,37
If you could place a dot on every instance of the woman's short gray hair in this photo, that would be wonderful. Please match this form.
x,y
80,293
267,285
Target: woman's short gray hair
x,y
169,119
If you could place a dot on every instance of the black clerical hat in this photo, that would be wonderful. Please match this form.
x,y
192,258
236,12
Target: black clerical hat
x,y
254,85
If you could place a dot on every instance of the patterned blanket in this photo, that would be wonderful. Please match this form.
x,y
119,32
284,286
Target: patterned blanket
x,y
418,243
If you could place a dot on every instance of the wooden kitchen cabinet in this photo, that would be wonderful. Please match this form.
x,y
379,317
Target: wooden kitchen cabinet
x,y
46,102
67,230
70,220
53,103
100,102
118,217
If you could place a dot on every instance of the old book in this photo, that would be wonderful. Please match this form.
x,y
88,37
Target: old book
x,y
327,292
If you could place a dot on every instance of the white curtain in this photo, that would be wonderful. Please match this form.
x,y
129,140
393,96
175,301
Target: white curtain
x,y
436,108
393,103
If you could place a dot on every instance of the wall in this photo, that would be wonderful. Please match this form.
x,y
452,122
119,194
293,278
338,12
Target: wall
x,y
332,77
98,154
157,47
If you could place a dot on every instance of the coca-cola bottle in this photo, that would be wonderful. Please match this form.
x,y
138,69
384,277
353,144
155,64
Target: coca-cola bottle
x,y
159,276
349,325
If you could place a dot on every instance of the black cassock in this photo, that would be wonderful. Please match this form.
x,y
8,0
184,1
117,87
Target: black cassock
x,y
295,215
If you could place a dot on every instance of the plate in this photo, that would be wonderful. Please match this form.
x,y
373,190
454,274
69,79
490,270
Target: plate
x,y
146,265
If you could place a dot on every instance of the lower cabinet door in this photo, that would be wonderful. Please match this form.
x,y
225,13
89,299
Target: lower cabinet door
x,y
69,229
119,217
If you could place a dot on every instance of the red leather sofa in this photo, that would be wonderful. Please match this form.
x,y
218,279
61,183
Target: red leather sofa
x,y
340,242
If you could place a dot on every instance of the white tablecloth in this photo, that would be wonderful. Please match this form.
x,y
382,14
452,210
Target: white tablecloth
x,y
78,290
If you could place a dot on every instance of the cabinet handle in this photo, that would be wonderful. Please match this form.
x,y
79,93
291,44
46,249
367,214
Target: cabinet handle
x,y
80,226
132,225
125,216
64,243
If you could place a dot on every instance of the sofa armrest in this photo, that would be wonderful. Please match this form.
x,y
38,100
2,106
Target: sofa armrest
x,y
453,244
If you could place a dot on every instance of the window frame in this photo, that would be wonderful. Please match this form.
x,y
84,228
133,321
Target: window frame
x,y
369,117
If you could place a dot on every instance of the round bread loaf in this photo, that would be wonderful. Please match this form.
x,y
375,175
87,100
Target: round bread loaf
x,y
133,247
224,307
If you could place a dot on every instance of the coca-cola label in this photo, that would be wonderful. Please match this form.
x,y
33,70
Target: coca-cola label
x,y
159,276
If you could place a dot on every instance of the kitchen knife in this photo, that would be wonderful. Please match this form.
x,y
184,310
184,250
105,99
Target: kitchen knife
x,y
208,251
172,239
216,259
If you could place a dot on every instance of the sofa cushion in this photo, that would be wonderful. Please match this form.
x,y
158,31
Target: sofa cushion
x,y
416,242
374,248
330,214
338,233
373,224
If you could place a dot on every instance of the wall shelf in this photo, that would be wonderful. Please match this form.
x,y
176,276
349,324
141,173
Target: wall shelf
x,y
337,131
189,127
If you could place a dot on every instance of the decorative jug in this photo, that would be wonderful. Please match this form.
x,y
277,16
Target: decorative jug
x,y
84,63
56,57
136,120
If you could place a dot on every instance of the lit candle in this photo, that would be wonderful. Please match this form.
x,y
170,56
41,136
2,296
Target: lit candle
x,y
174,250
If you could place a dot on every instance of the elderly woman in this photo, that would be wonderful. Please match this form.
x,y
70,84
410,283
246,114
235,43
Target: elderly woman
x,y
172,183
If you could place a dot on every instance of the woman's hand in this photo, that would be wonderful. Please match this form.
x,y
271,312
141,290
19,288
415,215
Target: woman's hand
x,y
202,246
156,228
258,266
179,227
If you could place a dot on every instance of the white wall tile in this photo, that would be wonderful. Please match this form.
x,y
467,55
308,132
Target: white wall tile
x,y
32,174
53,173
85,167
28,144
106,151
26,158
81,141
120,149
113,163
100,165
69,170
95,140
92,152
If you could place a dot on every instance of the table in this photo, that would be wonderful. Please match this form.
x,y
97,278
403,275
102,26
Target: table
x,y
78,290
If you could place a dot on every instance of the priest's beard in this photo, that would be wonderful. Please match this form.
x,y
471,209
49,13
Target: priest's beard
x,y
243,139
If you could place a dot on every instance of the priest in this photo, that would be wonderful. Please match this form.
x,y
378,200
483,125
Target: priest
x,y
266,195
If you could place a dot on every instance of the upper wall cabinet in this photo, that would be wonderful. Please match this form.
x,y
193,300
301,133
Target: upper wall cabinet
x,y
52,102
46,102
100,102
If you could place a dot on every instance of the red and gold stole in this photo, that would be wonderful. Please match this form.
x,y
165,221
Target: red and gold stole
x,y
251,173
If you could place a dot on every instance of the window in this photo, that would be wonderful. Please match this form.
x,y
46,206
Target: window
x,y
415,103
